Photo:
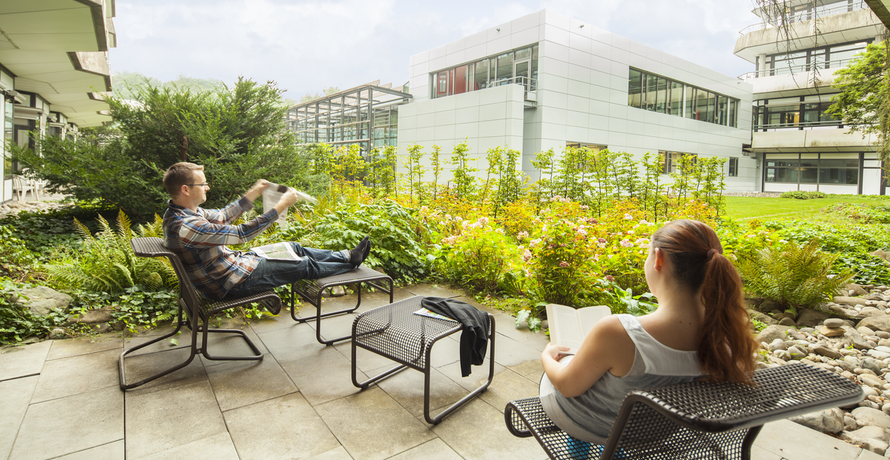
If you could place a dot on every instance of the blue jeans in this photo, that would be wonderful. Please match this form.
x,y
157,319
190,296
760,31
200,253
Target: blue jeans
x,y
313,264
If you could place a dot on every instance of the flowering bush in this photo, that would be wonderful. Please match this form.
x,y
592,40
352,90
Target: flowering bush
x,y
477,257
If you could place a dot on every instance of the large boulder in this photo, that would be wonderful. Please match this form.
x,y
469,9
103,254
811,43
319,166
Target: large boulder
x,y
41,300
770,333
811,318
876,323
827,421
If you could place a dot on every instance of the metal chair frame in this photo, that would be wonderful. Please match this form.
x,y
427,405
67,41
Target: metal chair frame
x,y
696,419
312,290
198,312
393,331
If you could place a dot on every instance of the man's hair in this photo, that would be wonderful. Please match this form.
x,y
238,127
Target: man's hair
x,y
178,175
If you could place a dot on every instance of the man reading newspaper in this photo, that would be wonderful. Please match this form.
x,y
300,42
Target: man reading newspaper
x,y
199,236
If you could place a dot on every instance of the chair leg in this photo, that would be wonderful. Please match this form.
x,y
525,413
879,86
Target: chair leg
x,y
257,354
193,351
426,381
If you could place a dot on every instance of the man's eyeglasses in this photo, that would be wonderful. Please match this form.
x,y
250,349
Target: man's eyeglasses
x,y
205,184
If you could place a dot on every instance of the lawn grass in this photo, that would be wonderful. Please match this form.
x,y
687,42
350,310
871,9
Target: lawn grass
x,y
742,208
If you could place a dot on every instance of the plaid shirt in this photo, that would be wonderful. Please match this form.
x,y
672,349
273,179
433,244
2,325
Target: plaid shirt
x,y
200,239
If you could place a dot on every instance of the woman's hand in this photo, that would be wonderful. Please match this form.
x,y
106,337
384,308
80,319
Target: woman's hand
x,y
554,351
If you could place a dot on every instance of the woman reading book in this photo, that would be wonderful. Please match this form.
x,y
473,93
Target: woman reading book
x,y
700,328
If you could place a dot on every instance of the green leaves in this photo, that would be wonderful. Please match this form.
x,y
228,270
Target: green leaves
x,y
792,276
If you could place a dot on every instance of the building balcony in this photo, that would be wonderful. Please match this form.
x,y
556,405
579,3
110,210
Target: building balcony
x,y
793,81
843,27
815,137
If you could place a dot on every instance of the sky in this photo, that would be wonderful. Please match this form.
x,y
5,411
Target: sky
x,y
308,45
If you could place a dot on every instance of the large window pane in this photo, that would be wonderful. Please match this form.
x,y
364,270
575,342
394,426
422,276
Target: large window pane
x,y
651,91
721,110
676,100
733,113
480,78
442,85
460,79
505,68
661,95
690,102
635,88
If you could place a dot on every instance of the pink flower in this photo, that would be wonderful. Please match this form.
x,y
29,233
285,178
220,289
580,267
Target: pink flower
x,y
625,243
581,231
564,264
584,207
610,278
602,240
522,235
642,242
526,256
628,217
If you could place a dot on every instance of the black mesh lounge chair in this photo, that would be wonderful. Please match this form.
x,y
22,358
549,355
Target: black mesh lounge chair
x,y
693,420
198,312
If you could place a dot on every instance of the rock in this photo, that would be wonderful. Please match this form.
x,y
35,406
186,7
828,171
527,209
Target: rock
x,y
876,323
883,334
834,322
872,417
58,333
796,334
855,289
880,253
826,351
765,319
874,382
101,315
786,321
871,311
41,300
850,423
865,331
796,353
771,333
873,365
875,353
828,421
777,344
861,344
831,331
849,300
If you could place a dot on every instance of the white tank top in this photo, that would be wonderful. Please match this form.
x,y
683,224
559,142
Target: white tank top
x,y
590,416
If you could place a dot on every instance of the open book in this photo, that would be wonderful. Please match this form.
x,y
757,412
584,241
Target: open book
x,y
569,326
272,195
276,251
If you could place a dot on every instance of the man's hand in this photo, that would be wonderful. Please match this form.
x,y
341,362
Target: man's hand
x,y
287,200
257,189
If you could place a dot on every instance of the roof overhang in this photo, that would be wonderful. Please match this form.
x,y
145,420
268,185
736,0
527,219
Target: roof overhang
x,y
881,9
58,49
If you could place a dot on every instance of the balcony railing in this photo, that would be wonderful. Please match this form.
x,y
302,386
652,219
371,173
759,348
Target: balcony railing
x,y
801,16
787,70
530,85
800,125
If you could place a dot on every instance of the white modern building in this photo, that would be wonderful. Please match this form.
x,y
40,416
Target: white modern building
x,y
796,51
547,81
53,70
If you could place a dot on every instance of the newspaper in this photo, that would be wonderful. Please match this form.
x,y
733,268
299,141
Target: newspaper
x,y
283,251
272,195
431,314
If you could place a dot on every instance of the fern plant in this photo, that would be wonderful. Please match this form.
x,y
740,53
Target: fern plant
x,y
792,276
106,262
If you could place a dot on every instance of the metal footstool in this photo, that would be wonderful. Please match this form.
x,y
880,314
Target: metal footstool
x,y
394,331
312,290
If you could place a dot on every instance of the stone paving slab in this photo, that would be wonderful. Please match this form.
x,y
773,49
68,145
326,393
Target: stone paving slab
x,y
60,399
70,424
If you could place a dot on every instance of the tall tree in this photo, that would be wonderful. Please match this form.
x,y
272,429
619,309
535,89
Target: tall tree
x,y
864,100
237,133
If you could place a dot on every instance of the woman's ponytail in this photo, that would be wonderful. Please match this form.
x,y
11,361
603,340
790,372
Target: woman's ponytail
x,y
726,345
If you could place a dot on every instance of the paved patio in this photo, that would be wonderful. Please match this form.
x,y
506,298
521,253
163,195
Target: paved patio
x,y
60,399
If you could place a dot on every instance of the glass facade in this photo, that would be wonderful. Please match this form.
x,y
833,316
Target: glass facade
x,y
797,112
663,95
519,66
366,115
811,168
826,57
669,160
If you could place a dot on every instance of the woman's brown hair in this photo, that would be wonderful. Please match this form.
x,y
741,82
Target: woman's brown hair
x,y
726,346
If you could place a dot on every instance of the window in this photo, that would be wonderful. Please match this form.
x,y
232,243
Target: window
x,y
812,170
793,112
733,167
485,73
663,95
670,161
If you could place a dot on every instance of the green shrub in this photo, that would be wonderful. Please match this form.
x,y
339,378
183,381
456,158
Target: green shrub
x,y
835,238
44,231
106,262
16,321
395,233
868,269
792,276
479,257
801,195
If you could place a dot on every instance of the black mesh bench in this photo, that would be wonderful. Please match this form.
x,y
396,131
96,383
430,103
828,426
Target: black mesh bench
x,y
312,291
694,420
394,331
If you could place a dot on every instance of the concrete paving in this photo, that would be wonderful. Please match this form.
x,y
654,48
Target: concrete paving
x,y
60,399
